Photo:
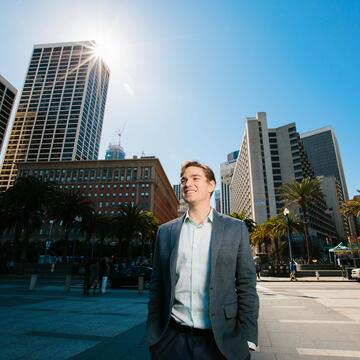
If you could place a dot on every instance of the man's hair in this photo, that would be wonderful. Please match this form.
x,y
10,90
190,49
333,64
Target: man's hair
x,y
209,174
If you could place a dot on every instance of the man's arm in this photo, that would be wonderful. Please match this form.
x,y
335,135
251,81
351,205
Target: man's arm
x,y
248,300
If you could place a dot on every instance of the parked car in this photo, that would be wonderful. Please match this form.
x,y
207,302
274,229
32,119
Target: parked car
x,y
130,277
355,274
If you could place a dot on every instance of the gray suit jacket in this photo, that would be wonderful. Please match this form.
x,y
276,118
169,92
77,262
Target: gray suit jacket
x,y
233,300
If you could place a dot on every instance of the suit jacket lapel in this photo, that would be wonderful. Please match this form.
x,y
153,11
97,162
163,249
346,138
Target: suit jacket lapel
x,y
216,240
174,246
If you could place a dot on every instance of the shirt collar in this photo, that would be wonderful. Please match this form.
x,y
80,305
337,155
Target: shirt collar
x,y
209,218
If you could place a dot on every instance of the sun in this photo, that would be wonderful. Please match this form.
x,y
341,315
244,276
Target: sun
x,y
100,51
104,50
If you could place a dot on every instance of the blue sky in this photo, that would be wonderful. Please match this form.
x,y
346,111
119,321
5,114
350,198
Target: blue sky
x,y
186,74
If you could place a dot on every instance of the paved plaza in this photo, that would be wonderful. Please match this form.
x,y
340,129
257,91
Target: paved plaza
x,y
302,320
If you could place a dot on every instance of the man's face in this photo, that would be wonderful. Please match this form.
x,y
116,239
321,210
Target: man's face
x,y
196,188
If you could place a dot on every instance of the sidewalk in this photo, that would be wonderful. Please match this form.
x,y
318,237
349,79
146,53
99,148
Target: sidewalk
x,y
295,317
48,324
307,279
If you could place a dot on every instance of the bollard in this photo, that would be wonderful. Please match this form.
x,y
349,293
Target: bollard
x,y
317,274
67,283
141,284
33,281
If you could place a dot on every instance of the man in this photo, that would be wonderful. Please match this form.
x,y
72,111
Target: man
x,y
203,302
293,271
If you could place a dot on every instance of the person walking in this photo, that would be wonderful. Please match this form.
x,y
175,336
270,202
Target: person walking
x,y
104,274
258,270
94,275
292,271
203,302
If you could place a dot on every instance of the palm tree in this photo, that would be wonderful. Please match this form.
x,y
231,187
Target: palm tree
x,y
126,224
72,207
132,223
103,225
277,229
303,193
260,236
250,223
352,207
149,225
23,208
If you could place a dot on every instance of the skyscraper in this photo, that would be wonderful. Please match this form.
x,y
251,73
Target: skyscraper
x,y
7,99
177,190
217,200
269,158
226,172
323,151
61,109
116,151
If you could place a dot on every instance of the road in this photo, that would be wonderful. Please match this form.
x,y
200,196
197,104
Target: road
x,y
302,320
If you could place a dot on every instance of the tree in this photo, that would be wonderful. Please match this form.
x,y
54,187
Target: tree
x,y
303,193
250,223
133,222
23,208
103,225
149,225
276,228
71,208
352,207
260,236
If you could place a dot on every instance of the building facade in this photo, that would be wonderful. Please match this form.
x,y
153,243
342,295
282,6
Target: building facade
x,y
226,172
115,152
61,108
323,151
7,100
334,198
267,159
217,200
110,183
177,190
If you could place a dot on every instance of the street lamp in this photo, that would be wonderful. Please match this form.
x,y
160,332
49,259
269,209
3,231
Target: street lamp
x,y
286,215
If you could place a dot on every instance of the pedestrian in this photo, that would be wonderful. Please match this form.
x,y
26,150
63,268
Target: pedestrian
x,y
292,271
258,270
94,275
104,274
86,284
203,302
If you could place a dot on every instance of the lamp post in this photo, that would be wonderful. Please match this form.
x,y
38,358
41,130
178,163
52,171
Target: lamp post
x,y
286,215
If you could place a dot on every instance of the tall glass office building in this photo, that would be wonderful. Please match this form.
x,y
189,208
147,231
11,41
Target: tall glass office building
x,y
61,109
7,99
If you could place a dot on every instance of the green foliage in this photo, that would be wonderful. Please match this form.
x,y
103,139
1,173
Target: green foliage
x,y
250,223
303,193
352,207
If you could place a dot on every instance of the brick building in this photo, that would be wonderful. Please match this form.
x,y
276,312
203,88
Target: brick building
x,y
110,183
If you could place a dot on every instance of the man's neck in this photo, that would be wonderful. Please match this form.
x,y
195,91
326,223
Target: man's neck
x,y
198,213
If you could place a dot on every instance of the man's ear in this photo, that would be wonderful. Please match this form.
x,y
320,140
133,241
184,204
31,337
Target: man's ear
x,y
212,183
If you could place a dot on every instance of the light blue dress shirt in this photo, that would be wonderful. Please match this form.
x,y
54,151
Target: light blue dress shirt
x,y
191,305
